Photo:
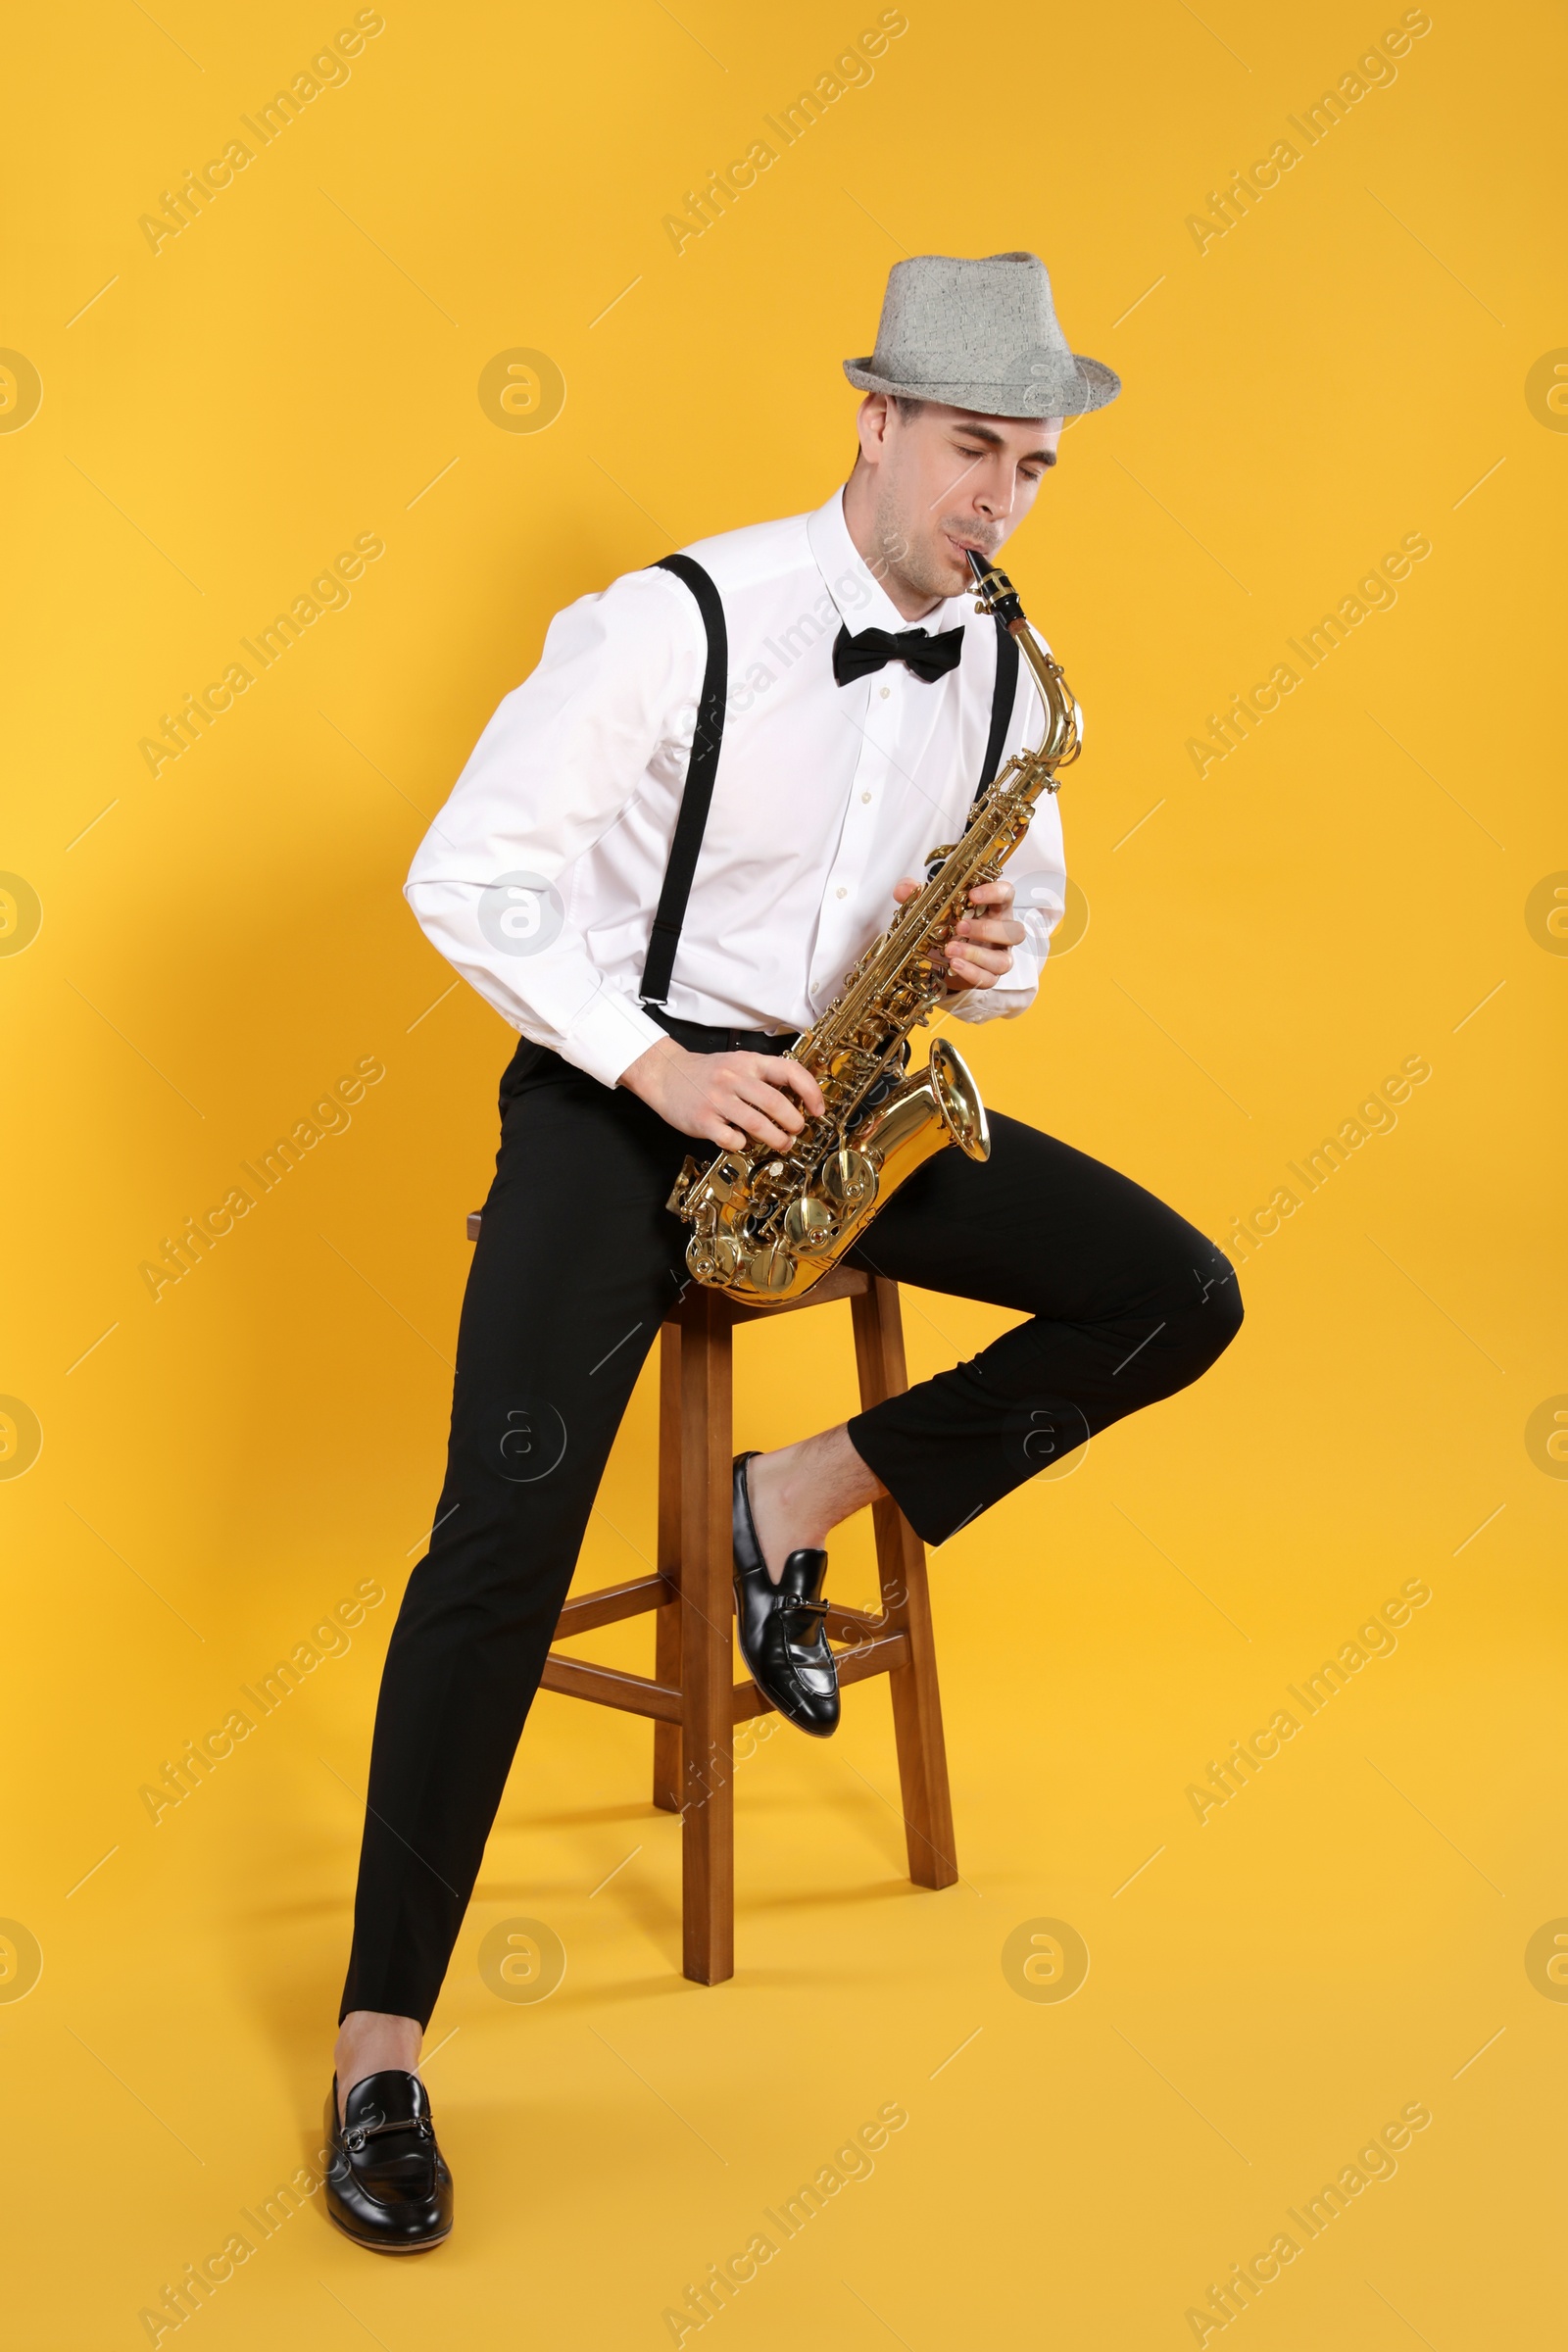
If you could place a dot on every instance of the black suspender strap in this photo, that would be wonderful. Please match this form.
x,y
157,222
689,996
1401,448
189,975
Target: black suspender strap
x,y
703,770
1002,701
698,794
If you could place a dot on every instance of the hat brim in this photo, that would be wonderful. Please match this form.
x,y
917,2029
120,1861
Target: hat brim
x,y
1094,386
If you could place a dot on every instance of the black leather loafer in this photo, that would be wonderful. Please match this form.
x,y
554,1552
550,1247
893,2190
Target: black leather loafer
x,y
782,1637
387,2184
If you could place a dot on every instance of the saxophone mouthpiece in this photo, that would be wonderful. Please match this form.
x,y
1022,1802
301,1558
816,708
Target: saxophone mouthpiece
x,y
994,591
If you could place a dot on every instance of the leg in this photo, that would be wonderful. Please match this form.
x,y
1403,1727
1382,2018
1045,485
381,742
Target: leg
x,y
575,1268
907,1604
798,1495
667,1621
1128,1303
706,1674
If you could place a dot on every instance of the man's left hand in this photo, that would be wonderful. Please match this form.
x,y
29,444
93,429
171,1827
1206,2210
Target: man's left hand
x,y
981,949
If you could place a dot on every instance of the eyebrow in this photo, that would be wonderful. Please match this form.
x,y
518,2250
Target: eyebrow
x,y
984,432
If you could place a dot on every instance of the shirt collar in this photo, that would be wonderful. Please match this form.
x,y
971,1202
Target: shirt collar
x,y
862,602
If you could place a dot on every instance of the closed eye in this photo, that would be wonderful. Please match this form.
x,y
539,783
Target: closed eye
x,y
1030,472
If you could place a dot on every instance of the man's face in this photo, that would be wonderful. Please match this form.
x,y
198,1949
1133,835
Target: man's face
x,y
947,479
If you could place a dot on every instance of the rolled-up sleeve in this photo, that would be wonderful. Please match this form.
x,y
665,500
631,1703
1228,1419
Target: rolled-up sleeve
x,y
557,767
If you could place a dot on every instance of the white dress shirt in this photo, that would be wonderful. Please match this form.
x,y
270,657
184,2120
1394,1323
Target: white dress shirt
x,y
539,879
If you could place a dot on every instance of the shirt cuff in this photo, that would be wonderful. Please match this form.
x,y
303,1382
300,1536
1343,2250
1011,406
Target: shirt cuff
x,y
977,1005
608,1035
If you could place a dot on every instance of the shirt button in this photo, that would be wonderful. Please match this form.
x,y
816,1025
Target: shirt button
x,y
866,796
886,691
841,893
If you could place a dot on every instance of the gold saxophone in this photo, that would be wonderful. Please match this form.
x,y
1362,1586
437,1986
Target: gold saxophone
x,y
766,1224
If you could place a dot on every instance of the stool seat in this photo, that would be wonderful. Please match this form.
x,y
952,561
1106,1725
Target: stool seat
x,y
692,1697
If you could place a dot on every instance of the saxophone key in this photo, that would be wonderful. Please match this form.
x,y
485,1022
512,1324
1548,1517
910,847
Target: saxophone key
x,y
725,1178
771,1269
714,1257
810,1225
848,1179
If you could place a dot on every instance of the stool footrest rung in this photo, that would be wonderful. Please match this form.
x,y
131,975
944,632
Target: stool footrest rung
x,y
585,1612
636,1694
589,1610
884,1654
857,1625
607,1687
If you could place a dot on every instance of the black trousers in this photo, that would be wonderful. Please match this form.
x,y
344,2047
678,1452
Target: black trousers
x,y
576,1265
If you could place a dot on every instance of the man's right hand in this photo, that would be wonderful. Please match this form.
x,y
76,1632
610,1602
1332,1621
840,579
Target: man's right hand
x,y
725,1097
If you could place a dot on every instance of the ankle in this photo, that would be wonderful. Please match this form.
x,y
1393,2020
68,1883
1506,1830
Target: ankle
x,y
369,2041
807,1490
776,1487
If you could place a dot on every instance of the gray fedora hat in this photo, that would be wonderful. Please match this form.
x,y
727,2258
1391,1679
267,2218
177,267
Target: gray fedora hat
x,y
979,335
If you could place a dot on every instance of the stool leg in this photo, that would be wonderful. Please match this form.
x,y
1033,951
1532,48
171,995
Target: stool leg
x,y
667,1621
707,1677
907,1602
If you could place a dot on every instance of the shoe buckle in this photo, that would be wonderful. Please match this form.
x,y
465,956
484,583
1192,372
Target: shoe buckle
x,y
353,2141
800,1636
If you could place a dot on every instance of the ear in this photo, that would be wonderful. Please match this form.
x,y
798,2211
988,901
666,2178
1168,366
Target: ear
x,y
871,423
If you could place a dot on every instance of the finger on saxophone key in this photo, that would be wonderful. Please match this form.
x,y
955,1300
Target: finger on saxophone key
x,y
797,1076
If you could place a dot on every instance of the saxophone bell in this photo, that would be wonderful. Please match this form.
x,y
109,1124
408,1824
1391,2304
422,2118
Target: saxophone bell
x,y
936,1106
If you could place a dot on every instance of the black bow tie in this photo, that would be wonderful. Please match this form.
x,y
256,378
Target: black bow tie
x,y
930,658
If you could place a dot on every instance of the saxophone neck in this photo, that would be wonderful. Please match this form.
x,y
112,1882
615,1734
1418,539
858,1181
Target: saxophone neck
x,y
1063,739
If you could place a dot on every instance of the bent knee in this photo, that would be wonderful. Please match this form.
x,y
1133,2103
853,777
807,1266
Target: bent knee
x,y
1202,1318
1218,1314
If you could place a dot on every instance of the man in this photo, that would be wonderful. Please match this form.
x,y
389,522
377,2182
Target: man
x,y
852,705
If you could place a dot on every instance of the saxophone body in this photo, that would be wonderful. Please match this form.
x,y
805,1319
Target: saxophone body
x,y
768,1225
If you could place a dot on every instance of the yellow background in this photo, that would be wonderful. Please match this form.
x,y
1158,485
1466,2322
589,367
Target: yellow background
x,y
298,366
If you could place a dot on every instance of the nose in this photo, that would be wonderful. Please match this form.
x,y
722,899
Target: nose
x,y
993,492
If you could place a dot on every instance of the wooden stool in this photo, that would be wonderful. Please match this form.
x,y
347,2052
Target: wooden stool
x,y
692,1696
